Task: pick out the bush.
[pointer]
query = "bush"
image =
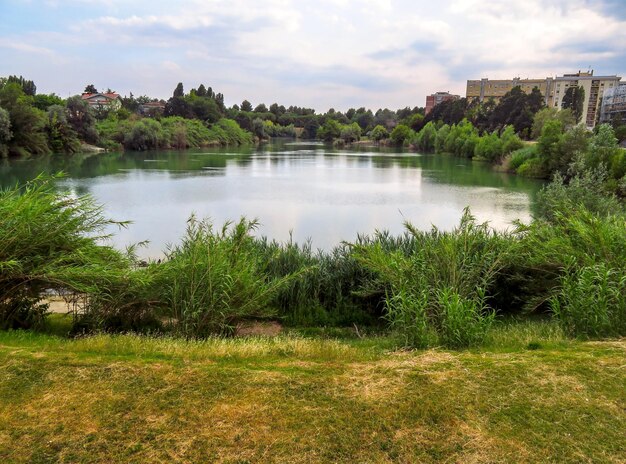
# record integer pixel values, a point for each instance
(586, 191)
(592, 302)
(214, 279)
(442, 278)
(519, 157)
(400, 133)
(49, 240)
(532, 167)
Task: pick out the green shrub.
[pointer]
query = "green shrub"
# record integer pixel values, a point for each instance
(214, 279)
(586, 191)
(520, 156)
(444, 275)
(532, 167)
(592, 301)
(49, 240)
(464, 320)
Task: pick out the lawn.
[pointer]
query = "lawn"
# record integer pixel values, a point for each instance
(529, 395)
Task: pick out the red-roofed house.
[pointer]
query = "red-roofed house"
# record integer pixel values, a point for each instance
(103, 100)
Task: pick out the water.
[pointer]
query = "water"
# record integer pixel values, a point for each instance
(308, 190)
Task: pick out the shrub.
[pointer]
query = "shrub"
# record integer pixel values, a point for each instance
(442, 276)
(519, 157)
(49, 240)
(586, 191)
(214, 278)
(592, 302)
(532, 167)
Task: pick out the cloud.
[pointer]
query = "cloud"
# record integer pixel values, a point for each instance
(326, 53)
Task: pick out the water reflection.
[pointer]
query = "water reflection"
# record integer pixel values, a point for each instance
(326, 194)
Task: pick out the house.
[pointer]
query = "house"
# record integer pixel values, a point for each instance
(100, 101)
(153, 108)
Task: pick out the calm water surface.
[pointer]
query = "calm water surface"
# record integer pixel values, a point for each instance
(314, 191)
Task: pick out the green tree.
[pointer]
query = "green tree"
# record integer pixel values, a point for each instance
(90, 89)
(400, 133)
(43, 101)
(246, 106)
(260, 108)
(201, 92)
(61, 136)
(428, 135)
(574, 99)
(548, 146)
(351, 133)
(81, 119)
(379, 133)
(179, 91)
(330, 130)
(442, 135)
(258, 128)
(489, 147)
(26, 122)
(603, 147)
(5, 132)
(28, 87)
(547, 114)
(203, 108)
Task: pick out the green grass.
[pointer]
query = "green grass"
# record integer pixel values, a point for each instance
(528, 395)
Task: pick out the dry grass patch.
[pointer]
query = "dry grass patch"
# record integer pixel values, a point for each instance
(294, 400)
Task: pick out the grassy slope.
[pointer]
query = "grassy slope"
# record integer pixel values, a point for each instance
(293, 399)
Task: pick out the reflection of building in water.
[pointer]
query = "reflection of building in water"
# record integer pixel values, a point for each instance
(614, 104)
(436, 98)
(552, 89)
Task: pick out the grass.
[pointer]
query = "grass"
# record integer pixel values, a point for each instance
(528, 395)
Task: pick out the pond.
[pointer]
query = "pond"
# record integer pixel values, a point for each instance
(299, 189)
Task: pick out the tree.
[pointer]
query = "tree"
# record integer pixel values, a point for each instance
(179, 91)
(61, 136)
(428, 135)
(260, 108)
(329, 131)
(379, 133)
(178, 106)
(43, 101)
(205, 109)
(26, 122)
(351, 133)
(258, 128)
(90, 89)
(518, 109)
(603, 147)
(28, 87)
(400, 133)
(5, 132)
(246, 106)
(574, 100)
(548, 146)
(548, 114)
(201, 92)
(81, 119)
(311, 127)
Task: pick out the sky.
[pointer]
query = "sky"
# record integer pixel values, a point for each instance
(318, 54)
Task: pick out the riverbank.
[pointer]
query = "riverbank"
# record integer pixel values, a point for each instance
(529, 396)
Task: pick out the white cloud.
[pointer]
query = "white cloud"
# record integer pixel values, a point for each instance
(368, 52)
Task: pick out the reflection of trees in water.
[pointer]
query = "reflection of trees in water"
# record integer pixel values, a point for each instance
(212, 162)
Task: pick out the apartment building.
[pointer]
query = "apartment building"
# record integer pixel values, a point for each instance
(484, 89)
(553, 90)
(436, 98)
(594, 87)
(613, 103)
